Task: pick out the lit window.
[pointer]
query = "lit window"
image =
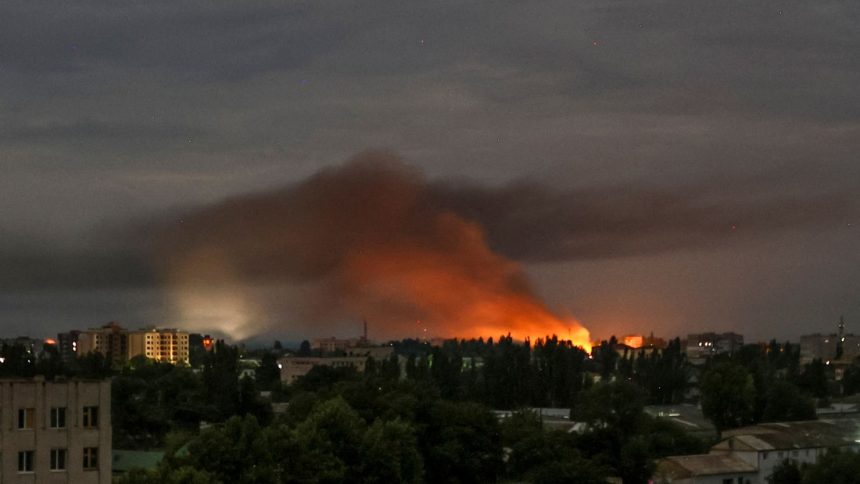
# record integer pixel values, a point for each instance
(25, 461)
(91, 417)
(58, 459)
(26, 417)
(58, 417)
(91, 458)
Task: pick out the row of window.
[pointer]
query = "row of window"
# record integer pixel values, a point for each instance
(27, 417)
(26, 459)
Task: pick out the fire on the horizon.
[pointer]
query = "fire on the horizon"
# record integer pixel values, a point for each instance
(364, 240)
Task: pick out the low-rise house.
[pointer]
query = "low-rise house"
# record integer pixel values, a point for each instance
(295, 367)
(749, 455)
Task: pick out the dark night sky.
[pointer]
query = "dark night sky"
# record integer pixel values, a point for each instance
(113, 115)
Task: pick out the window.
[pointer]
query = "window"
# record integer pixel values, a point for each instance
(91, 458)
(26, 417)
(91, 417)
(58, 417)
(25, 461)
(58, 459)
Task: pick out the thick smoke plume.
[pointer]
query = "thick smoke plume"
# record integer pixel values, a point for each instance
(374, 239)
(366, 240)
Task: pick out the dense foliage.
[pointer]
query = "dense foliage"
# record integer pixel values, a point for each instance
(423, 415)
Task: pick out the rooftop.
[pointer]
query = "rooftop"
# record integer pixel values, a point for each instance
(685, 466)
(794, 435)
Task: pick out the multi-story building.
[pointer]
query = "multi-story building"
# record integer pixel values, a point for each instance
(111, 340)
(55, 432)
(293, 367)
(168, 345)
(67, 345)
(830, 347)
(119, 344)
(703, 345)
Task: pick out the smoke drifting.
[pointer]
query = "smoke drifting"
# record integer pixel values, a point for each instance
(374, 239)
(366, 240)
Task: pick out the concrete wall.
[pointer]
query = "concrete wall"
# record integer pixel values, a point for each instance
(42, 396)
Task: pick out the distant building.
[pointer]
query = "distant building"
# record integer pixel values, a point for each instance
(749, 455)
(67, 345)
(111, 340)
(332, 345)
(702, 345)
(687, 417)
(119, 344)
(633, 344)
(55, 432)
(167, 345)
(293, 367)
(32, 346)
(830, 347)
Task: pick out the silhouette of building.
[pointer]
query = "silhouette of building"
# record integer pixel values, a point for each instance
(703, 345)
(67, 345)
(833, 347)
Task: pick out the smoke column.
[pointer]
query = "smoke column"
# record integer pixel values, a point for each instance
(370, 239)
(374, 239)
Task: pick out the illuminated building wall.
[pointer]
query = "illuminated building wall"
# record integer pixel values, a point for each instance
(120, 345)
(55, 432)
(168, 345)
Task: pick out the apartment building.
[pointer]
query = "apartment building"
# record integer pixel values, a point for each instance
(119, 344)
(168, 345)
(55, 432)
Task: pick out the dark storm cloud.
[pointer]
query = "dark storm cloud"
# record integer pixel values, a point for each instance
(533, 223)
(111, 110)
(300, 232)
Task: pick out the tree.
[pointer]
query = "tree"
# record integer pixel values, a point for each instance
(785, 402)
(305, 348)
(221, 380)
(268, 375)
(728, 395)
(835, 467)
(459, 442)
(239, 451)
(786, 472)
(389, 453)
(329, 442)
(616, 406)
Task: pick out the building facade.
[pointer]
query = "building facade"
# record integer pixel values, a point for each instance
(295, 367)
(829, 347)
(749, 455)
(703, 345)
(119, 344)
(167, 345)
(67, 345)
(111, 340)
(55, 432)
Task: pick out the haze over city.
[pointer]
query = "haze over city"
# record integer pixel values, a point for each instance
(268, 170)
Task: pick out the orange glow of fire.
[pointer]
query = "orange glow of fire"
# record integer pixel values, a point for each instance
(468, 293)
(634, 341)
